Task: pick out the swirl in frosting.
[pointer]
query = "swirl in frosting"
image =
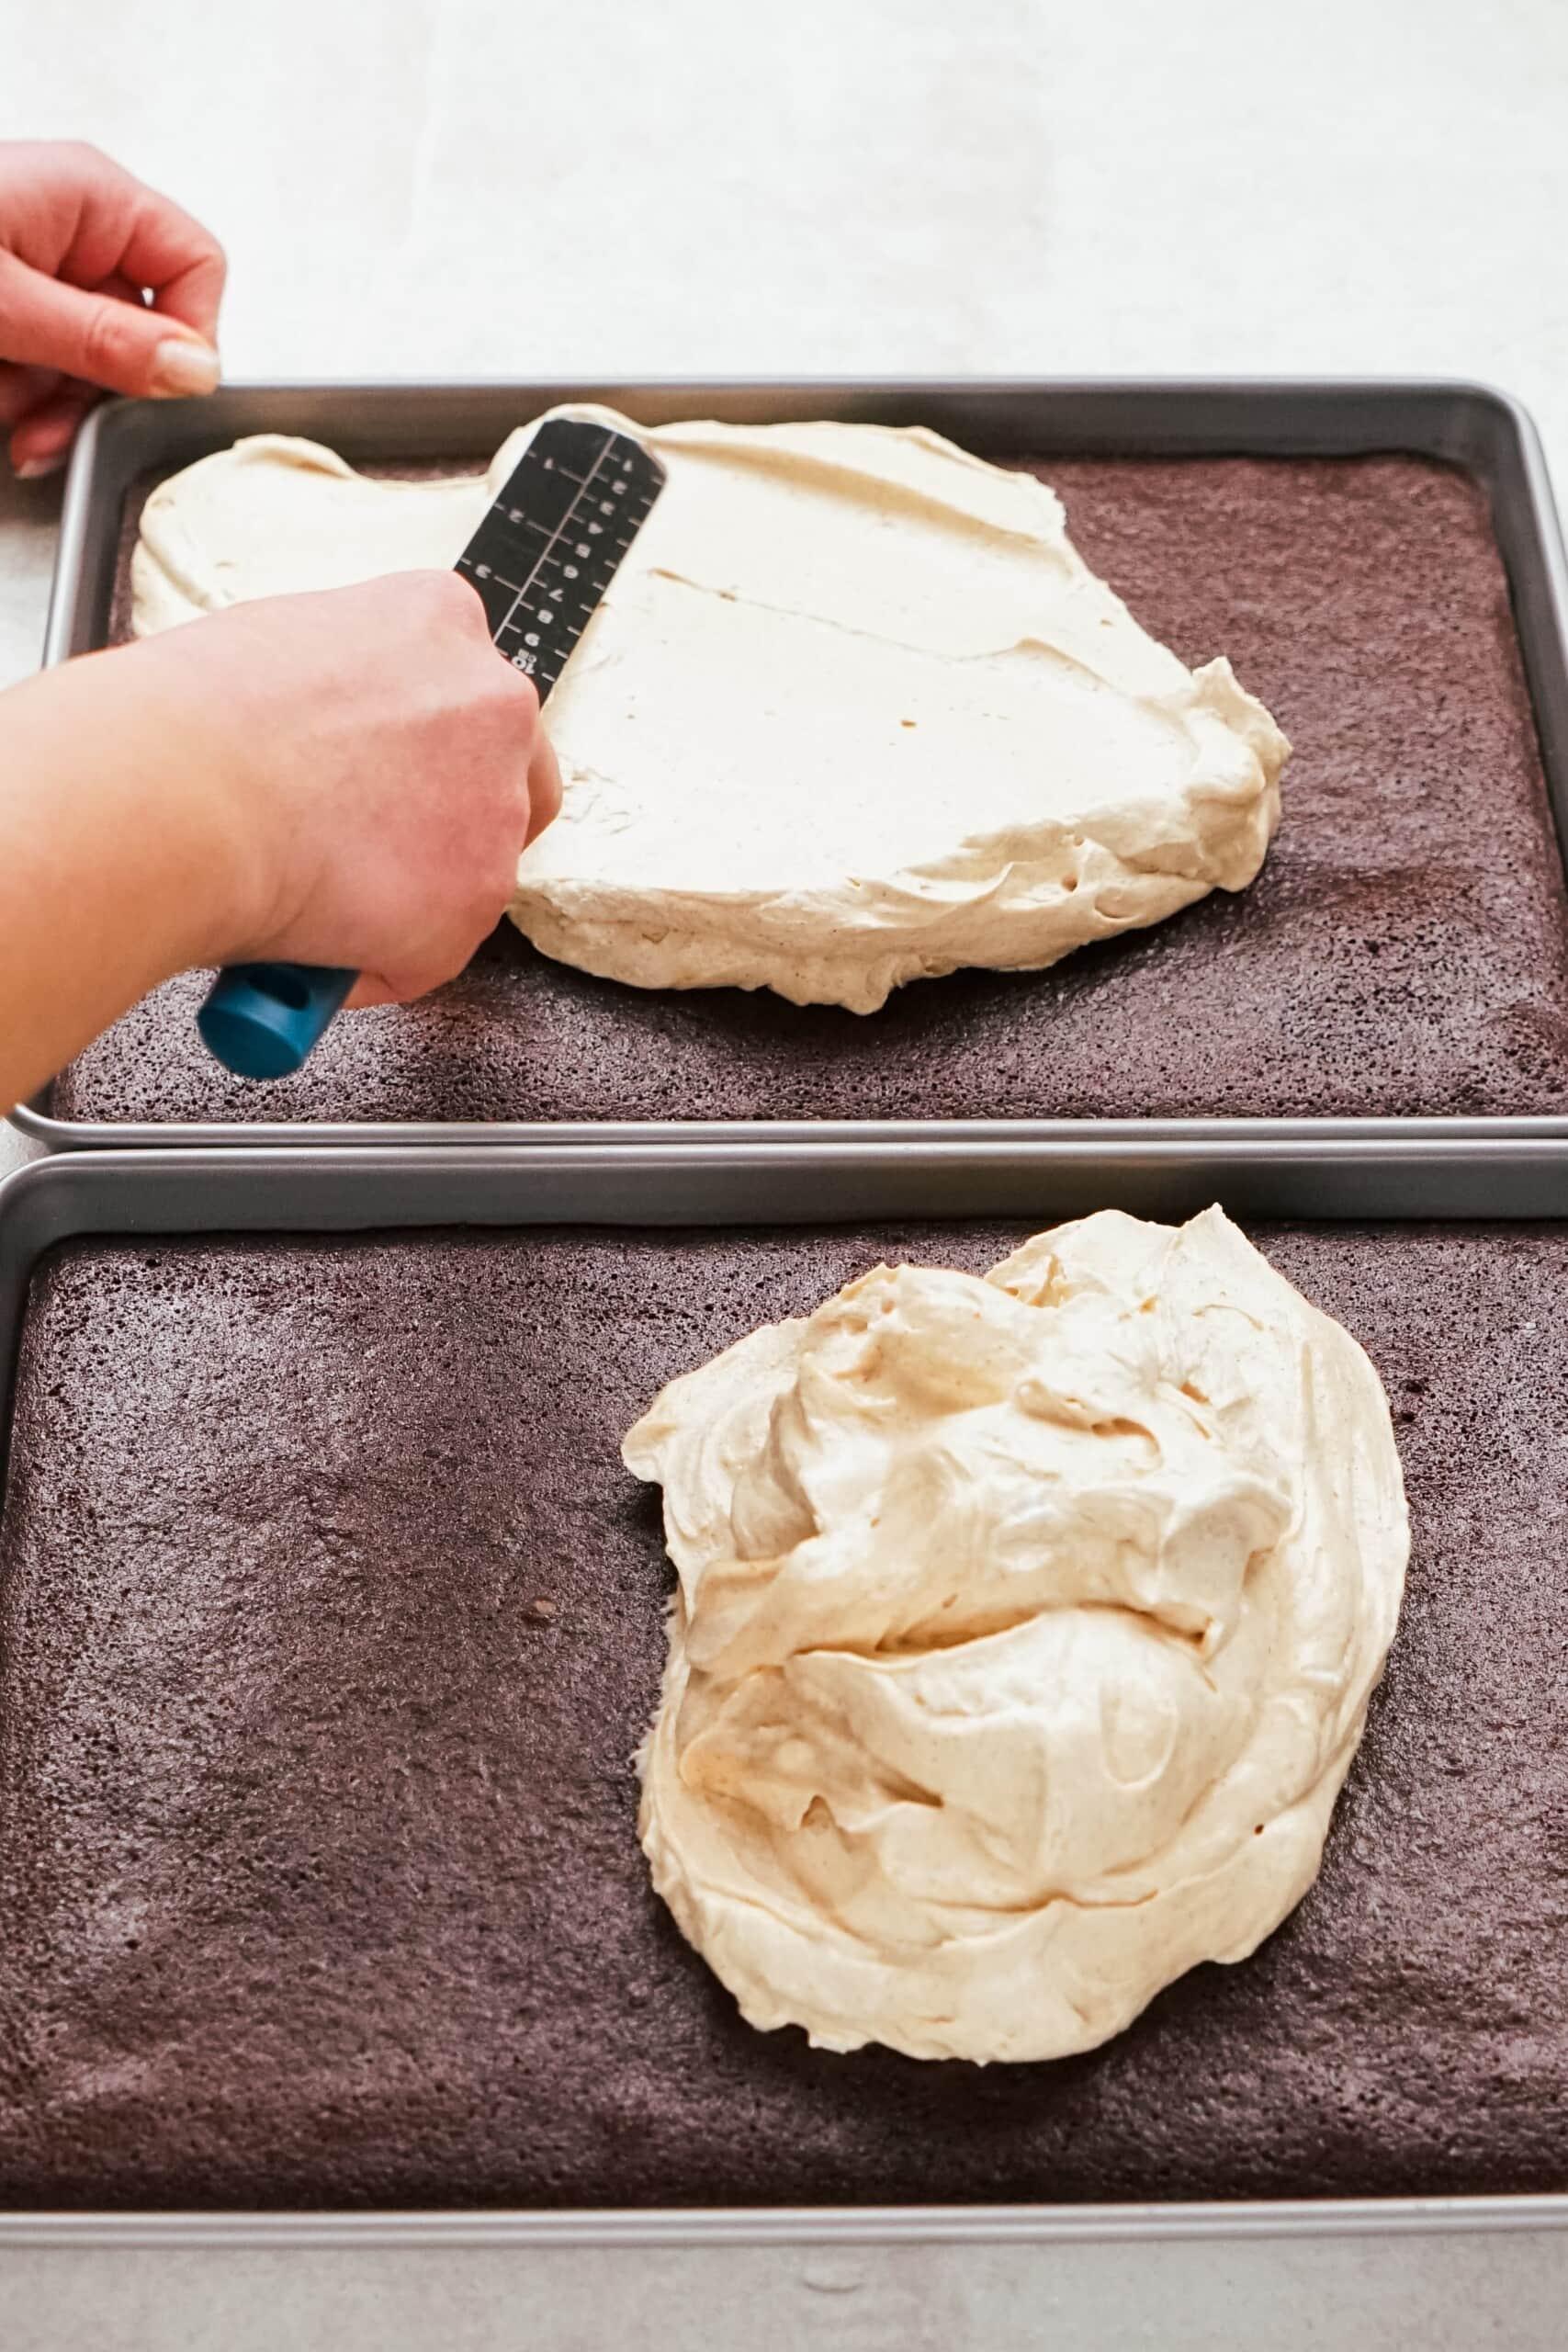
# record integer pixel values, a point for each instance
(1024, 1634)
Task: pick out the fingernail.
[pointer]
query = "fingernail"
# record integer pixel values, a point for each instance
(34, 468)
(181, 371)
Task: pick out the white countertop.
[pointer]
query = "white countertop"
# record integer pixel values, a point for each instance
(871, 187)
(877, 186)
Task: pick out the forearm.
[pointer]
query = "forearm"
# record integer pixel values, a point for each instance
(116, 857)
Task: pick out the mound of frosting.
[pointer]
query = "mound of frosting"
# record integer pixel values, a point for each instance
(854, 712)
(1024, 1634)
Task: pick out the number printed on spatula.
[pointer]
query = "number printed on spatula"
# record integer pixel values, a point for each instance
(555, 537)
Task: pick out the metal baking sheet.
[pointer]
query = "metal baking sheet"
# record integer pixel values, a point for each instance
(1357, 2272)
(1469, 426)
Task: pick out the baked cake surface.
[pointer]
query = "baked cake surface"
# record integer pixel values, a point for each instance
(329, 1621)
(1404, 951)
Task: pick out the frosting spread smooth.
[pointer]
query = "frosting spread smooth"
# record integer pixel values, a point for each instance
(854, 712)
(1024, 1634)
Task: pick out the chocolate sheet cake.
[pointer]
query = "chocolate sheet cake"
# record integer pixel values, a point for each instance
(1405, 950)
(329, 1621)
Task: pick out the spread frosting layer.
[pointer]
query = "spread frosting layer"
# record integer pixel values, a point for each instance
(1024, 1634)
(854, 712)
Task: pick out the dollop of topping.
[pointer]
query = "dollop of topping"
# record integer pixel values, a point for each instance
(1024, 1634)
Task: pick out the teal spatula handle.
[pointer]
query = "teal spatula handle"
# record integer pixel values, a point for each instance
(261, 1020)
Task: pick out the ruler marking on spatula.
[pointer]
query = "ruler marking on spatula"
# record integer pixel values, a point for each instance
(569, 576)
(541, 562)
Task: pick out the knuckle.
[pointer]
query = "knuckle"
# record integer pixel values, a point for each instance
(490, 885)
(445, 599)
(452, 591)
(103, 340)
(512, 707)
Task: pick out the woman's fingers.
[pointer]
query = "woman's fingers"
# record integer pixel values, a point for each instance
(73, 212)
(183, 267)
(123, 347)
(24, 389)
(103, 280)
(544, 806)
(41, 440)
(45, 408)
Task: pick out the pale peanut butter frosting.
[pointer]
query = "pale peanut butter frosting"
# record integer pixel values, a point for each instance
(854, 711)
(1024, 1636)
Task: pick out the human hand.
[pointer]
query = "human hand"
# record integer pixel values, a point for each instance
(368, 769)
(83, 243)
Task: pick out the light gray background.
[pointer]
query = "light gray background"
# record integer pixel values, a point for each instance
(691, 186)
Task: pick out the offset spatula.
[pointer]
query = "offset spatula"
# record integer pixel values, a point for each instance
(541, 560)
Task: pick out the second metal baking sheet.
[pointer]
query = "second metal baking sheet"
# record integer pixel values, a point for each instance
(1453, 1460)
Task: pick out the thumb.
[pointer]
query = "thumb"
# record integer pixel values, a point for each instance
(99, 338)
